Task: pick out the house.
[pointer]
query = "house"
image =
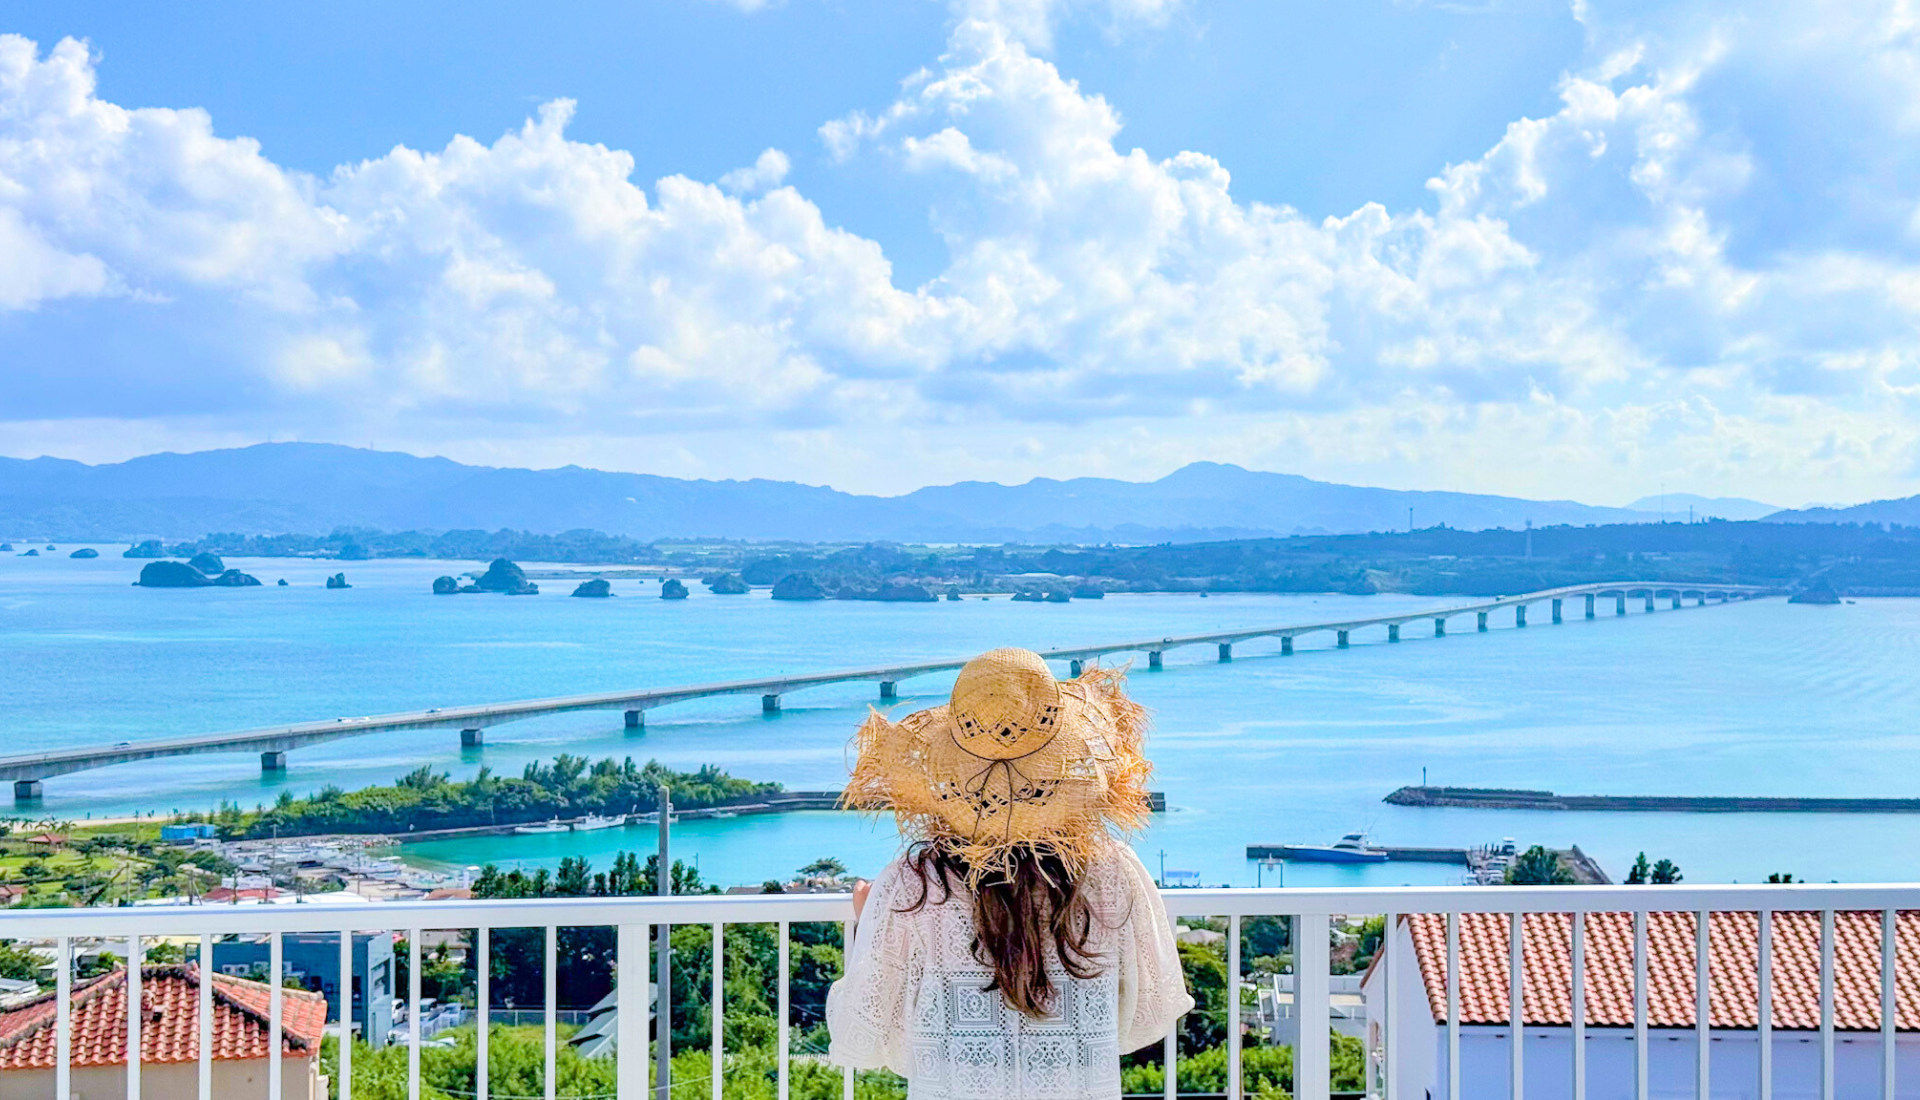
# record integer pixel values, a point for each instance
(1419, 1008)
(186, 832)
(12, 893)
(313, 959)
(169, 1040)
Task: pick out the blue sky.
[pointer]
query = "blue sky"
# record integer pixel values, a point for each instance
(879, 245)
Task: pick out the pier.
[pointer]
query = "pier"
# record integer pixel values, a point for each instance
(28, 770)
(1489, 798)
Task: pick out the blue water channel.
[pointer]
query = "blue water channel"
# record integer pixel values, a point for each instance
(1748, 699)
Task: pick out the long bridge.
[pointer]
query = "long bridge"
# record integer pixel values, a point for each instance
(28, 770)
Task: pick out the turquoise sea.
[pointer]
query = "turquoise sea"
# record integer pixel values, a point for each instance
(1754, 699)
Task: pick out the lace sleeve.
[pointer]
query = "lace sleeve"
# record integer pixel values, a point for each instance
(867, 1009)
(1153, 987)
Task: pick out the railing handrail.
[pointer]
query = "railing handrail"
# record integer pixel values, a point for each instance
(220, 919)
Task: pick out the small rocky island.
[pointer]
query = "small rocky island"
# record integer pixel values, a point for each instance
(85, 552)
(31, 553)
(596, 589)
(148, 549)
(888, 592)
(671, 589)
(1819, 592)
(726, 584)
(233, 578)
(798, 586)
(207, 563)
(338, 580)
(172, 574)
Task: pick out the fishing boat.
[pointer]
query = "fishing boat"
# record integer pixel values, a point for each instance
(541, 829)
(653, 818)
(1352, 848)
(594, 823)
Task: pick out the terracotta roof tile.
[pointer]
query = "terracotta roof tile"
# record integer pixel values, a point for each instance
(1733, 963)
(170, 1031)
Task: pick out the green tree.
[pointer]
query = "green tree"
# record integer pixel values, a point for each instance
(1666, 872)
(1640, 872)
(1538, 866)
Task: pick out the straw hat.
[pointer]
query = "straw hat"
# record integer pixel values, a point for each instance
(1017, 759)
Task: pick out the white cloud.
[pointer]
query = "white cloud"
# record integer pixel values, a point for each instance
(768, 170)
(1646, 282)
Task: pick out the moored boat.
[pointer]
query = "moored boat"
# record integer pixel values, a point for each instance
(1352, 848)
(595, 822)
(542, 828)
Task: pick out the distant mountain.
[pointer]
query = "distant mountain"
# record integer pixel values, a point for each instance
(1904, 511)
(312, 488)
(1676, 504)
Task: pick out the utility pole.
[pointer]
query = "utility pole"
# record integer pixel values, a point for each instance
(1163, 868)
(1409, 519)
(663, 963)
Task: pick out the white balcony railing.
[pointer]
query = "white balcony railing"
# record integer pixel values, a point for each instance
(1311, 912)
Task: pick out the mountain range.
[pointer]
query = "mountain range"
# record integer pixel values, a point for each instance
(313, 488)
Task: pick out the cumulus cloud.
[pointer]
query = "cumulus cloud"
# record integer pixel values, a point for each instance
(1645, 279)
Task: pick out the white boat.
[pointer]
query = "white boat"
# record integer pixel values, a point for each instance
(653, 818)
(553, 826)
(594, 823)
(1352, 848)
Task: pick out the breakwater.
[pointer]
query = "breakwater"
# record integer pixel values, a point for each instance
(1491, 798)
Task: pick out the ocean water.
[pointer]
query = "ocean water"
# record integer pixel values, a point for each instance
(1749, 699)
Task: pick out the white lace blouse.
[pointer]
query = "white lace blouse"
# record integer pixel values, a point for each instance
(914, 999)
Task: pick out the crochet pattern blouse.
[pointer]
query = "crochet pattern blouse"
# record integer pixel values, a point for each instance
(914, 998)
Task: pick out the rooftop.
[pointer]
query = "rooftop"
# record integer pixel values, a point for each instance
(170, 999)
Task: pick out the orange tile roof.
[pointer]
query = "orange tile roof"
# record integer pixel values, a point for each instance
(170, 1028)
(1733, 956)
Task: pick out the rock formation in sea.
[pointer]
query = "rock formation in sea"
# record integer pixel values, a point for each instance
(31, 553)
(1059, 595)
(148, 549)
(1089, 592)
(445, 586)
(798, 586)
(7, 546)
(85, 552)
(506, 578)
(953, 593)
(282, 582)
(207, 563)
(338, 580)
(171, 574)
(1819, 592)
(671, 589)
(889, 592)
(233, 578)
(595, 589)
(726, 584)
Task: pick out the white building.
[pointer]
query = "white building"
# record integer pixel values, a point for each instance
(1419, 1006)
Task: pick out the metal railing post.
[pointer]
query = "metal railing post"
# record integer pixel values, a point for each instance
(1313, 1056)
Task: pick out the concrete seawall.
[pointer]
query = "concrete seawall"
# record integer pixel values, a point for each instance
(1490, 798)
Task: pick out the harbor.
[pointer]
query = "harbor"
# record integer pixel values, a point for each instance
(1485, 865)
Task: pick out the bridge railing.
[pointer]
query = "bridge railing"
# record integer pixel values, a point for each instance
(1440, 991)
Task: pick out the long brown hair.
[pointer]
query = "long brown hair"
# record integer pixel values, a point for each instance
(1017, 912)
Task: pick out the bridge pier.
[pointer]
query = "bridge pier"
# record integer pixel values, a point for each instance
(1483, 622)
(1439, 628)
(275, 761)
(1226, 651)
(1393, 632)
(1340, 639)
(770, 704)
(472, 739)
(1676, 601)
(1074, 669)
(636, 719)
(1589, 605)
(26, 790)
(1556, 613)
(1153, 659)
(1620, 604)
(889, 690)
(1649, 603)
(1519, 614)
(1700, 599)
(1286, 645)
